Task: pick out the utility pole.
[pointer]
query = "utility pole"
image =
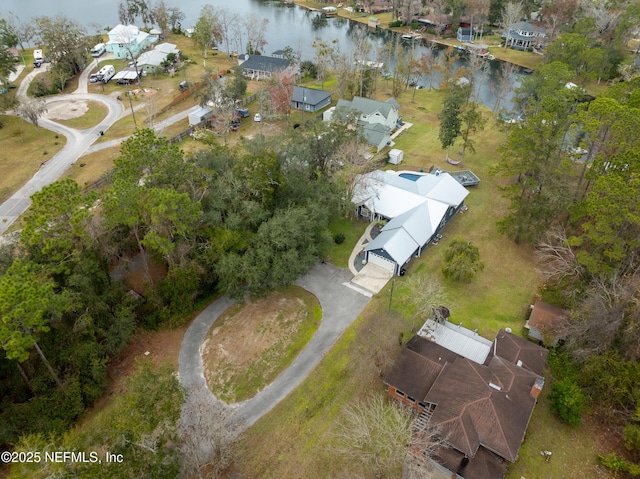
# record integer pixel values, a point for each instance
(132, 112)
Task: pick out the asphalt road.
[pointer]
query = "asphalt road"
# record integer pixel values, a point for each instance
(79, 142)
(340, 307)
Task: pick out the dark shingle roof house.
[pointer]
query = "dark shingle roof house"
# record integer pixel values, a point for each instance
(481, 407)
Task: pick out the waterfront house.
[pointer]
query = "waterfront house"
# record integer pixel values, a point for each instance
(523, 35)
(465, 34)
(128, 41)
(258, 67)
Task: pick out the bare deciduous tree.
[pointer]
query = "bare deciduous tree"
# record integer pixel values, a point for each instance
(32, 110)
(374, 433)
(505, 83)
(207, 432)
(422, 293)
(556, 259)
(384, 438)
(511, 14)
(610, 307)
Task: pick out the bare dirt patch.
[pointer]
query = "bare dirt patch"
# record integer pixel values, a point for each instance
(251, 343)
(66, 110)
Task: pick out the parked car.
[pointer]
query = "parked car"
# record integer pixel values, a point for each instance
(242, 112)
(184, 85)
(257, 117)
(37, 63)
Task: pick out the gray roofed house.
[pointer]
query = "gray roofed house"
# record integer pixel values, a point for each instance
(310, 99)
(151, 60)
(523, 35)
(373, 115)
(258, 67)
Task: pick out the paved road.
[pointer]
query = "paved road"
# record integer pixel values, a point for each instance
(340, 307)
(79, 142)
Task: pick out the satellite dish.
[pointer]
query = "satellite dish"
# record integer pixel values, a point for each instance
(508, 330)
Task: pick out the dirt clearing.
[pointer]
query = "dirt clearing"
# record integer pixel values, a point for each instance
(251, 343)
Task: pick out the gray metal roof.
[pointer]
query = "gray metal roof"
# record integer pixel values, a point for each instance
(396, 242)
(458, 339)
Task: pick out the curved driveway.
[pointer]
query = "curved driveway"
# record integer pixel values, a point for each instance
(340, 307)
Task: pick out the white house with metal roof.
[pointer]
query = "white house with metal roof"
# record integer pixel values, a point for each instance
(127, 41)
(151, 60)
(416, 211)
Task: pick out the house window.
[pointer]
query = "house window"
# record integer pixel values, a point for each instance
(399, 393)
(411, 399)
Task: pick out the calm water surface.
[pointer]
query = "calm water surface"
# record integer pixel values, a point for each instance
(286, 26)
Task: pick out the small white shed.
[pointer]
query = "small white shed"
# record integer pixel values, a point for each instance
(396, 156)
(199, 115)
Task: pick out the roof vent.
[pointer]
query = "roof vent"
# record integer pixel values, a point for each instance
(495, 386)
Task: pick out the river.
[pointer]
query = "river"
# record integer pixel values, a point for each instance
(292, 27)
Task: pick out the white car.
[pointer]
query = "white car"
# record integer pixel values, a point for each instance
(257, 117)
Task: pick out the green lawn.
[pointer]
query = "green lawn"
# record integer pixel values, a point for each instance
(95, 165)
(352, 230)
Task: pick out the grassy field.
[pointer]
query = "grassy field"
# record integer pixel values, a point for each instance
(24, 149)
(95, 165)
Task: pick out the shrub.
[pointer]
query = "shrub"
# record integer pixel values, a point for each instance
(339, 238)
(567, 401)
(397, 23)
(462, 261)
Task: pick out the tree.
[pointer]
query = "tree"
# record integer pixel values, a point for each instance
(556, 15)
(462, 261)
(208, 31)
(8, 35)
(323, 54)
(207, 434)
(27, 302)
(505, 83)
(7, 65)
(534, 155)
(450, 120)
(374, 434)
(256, 30)
(228, 20)
(159, 14)
(55, 227)
(473, 120)
(281, 87)
(235, 87)
(284, 247)
(511, 13)
(567, 401)
(32, 110)
(131, 10)
(379, 437)
(422, 294)
(579, 54)
(67, 43)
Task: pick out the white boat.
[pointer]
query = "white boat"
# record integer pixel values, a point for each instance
(330, 11)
